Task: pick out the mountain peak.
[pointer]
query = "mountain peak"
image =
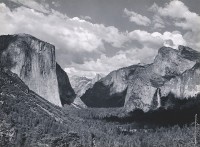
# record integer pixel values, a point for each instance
(23, 35)
(166, 51)
(189, 53)
(183, 51)
(183, 48)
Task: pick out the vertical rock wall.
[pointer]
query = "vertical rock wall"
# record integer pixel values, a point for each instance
(34, 62)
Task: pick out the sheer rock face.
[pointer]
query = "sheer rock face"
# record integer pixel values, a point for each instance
(140, 87)
(184, 86)
(168, 64)
(34, 62)
(185, 82)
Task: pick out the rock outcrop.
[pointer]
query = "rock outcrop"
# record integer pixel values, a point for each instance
(141, 87)
(34, 62)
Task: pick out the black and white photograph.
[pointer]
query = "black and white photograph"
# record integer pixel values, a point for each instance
(99, 73)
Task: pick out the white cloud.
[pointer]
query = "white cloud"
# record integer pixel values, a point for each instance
(72, 34)
(174, 9)
(102, 65)
(137, 18)
(183, 18)
(86, 17)
(81, 73)
(173, 39)
(145, 38)
(156, 39)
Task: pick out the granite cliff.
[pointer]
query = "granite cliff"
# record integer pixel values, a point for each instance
(34, 62)
(142, 86)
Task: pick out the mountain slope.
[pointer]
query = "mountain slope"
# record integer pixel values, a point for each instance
(138, 87)
(27, 119)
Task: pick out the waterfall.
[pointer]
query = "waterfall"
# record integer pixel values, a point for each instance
(158, 93)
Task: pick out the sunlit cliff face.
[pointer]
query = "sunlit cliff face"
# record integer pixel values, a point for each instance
(34, 62)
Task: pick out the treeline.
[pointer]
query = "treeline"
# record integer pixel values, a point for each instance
(172, 111)
(116, 134)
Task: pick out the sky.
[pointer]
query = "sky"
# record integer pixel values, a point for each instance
(98, 36)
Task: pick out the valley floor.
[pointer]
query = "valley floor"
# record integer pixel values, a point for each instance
(105, 133)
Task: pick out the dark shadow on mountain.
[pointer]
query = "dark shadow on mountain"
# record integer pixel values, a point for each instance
(6, 60)
(67, 94)
(99, 96)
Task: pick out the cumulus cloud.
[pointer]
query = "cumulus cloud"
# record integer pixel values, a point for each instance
(72, 34)
(182, 17)
(173, 39)
(156, 39)
(146, 38)
(137, 18)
